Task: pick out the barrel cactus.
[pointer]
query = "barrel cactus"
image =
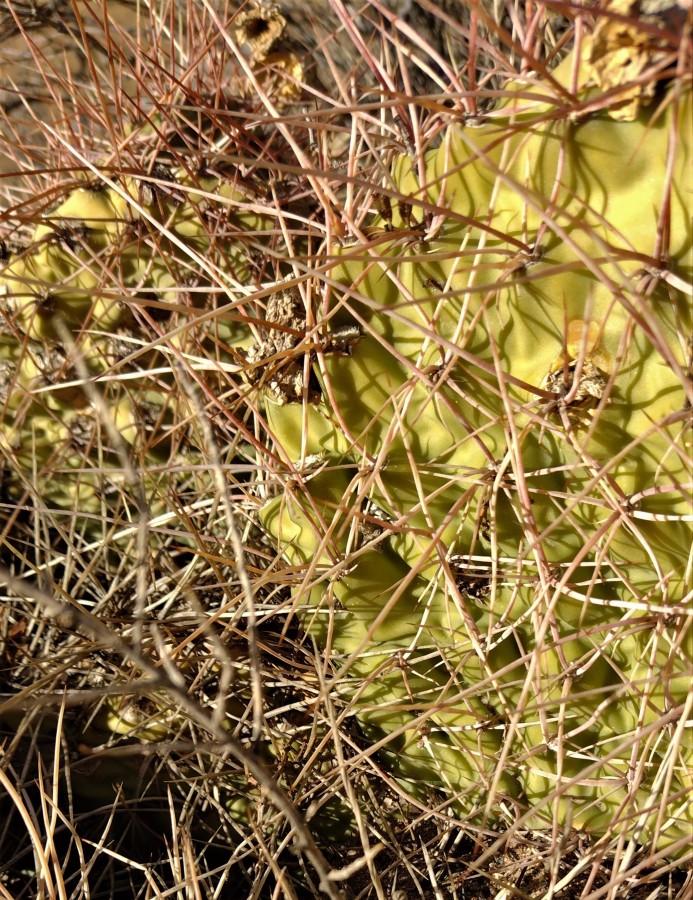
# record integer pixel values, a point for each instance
(116, 262)
(491, 490)
(451, 394)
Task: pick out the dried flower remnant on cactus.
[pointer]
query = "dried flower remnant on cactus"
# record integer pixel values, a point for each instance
(258, 29)
(283, 373)
(625, 46)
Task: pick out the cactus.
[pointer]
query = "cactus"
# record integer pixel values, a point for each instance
(516, 409)
(465, 428)
(77, 304)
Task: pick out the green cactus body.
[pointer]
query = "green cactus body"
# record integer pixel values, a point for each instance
(517, 404)
(69, 302)
(516, 410)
